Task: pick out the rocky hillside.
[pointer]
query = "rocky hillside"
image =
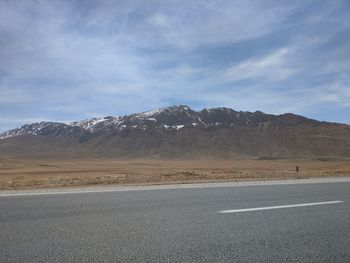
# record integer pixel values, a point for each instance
(181, 132)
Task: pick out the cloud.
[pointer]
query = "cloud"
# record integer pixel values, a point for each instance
(190, 24)
(274, 67)
(160, 20)
(336, 93)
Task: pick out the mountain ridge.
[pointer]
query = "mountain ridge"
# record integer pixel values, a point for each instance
(137, 120)
(179, 131)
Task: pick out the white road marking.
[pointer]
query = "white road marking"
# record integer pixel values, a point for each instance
(278, 207)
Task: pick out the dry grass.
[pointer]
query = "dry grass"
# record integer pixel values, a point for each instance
(33, 173)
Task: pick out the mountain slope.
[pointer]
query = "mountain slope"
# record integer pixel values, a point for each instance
(181, 132)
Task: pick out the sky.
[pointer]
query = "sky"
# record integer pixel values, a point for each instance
(73, 60)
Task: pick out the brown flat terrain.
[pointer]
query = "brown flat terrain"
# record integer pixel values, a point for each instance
(30, 173)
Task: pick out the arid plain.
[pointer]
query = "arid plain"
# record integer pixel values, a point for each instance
(16, 173)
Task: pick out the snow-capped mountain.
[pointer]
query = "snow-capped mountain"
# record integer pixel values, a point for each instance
(173, 118)
(39, 128)
(170, 118)
(179, 131)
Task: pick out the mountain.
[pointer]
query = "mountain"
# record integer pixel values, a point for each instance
(180, 132)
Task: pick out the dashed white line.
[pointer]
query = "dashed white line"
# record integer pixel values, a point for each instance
(278, 207)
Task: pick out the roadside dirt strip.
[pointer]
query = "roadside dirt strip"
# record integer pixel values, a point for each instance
(99, 189)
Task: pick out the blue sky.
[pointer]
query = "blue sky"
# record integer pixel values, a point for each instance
(72, 60)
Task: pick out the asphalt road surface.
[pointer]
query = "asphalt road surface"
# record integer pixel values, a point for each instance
(224, 223)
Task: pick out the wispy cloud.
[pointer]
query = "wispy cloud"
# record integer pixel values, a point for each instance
(336, 92)
(273, 67)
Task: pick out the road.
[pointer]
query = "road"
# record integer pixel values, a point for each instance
(301, 222)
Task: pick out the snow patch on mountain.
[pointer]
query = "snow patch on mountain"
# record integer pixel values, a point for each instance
(178, 127)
